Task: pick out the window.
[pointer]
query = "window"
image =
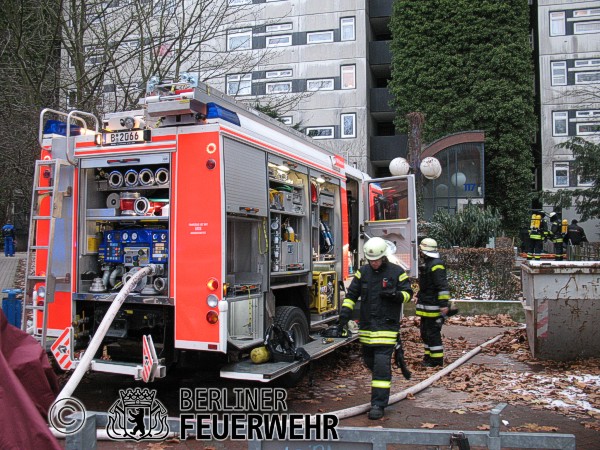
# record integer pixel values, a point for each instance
(279, 41)
(559, 123)
(587, 77)
(324, 84)
(320, 132)
(347, 28)
(559, 73)
(93, 55)
(348, 77)
(279, 73)
(581, 181)
(279, 88)
(278, 27)
(348, 124)
(288, 120)
(240, 84)
(239, 2)
(586, 129)
(586, 12)
(239, 40)
(587, 63)
(561, 174)
(586, 27)
(557, 23)
(319, 37)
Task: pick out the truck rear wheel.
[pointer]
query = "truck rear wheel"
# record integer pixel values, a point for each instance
(292, 319)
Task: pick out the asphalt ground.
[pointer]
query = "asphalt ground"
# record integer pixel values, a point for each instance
(434, 406)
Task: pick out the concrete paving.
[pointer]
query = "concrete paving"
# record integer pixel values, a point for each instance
(8, 270)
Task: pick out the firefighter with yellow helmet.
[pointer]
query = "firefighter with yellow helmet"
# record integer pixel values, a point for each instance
(382, 287)
(557, 235)
(538, 231)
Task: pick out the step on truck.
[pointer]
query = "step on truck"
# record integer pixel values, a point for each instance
(245, 222)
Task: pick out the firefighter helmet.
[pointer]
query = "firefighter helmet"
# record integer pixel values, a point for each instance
(375, 248)
(552, 216)
(429, 247)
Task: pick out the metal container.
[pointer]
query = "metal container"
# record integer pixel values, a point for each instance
(562, 308)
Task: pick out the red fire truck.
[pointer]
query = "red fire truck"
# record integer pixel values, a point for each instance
(245, 222)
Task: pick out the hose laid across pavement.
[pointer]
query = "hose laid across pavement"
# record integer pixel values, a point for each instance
(395, 398)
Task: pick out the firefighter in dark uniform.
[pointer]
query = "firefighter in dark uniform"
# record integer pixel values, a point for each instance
(538, 230)
(556, 235)
(382, 287)
(432, 302)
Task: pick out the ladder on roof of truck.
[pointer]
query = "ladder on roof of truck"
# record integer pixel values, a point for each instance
(44, 170)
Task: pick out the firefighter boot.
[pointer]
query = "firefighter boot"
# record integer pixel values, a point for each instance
(376, 412)
(434, 362)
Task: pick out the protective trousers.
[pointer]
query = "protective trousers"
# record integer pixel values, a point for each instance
(431, 334)
(378, 358)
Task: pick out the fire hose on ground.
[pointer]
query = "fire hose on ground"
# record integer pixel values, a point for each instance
(88, 356)
(341, 414)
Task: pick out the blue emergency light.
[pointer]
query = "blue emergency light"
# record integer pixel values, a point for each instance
(214, 111)
(58, 127)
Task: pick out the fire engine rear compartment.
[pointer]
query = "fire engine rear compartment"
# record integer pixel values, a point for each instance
(282, 248)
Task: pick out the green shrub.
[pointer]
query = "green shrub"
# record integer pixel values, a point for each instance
(472, 227)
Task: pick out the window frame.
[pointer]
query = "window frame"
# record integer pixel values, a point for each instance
(278, 36)
(560, 116)
(270, 74)
(239, 2)
(241, 77)
(316, 33)
(343, 134)
(309, 129)
(278, 83)
(587, 124)
(330, 82)
(555, 66)
(577, 27)
(350, 25)
(278, 27)
(239, 33)
(558, 22)
(587, 72)
(342, 85)
(556, 166)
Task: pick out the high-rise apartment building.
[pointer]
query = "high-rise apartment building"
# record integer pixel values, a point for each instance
(569, 90)
(331, 56)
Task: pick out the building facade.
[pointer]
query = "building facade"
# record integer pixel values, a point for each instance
(569, 91)
(331, 61)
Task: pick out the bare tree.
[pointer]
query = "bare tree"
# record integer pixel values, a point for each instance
(97, 56)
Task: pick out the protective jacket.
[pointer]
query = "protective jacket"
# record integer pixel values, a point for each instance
(434, 292)
(8, 230)
(382, 293)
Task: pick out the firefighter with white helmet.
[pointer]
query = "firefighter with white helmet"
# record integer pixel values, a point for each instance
(432, 303)
(382, 287)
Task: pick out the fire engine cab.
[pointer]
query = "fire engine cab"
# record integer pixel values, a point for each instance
(244, 221)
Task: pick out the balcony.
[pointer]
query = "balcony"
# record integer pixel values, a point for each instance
(386, 148)
(379, 53)
(380, 8)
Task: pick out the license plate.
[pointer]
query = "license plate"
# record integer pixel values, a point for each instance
(123, 137)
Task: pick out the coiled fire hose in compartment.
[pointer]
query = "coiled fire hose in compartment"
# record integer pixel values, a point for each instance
(86, 360)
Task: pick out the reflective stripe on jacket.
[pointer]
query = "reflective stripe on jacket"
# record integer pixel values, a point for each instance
(434, 292)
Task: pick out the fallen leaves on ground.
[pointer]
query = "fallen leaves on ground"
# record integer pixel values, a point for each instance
(569, 388)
